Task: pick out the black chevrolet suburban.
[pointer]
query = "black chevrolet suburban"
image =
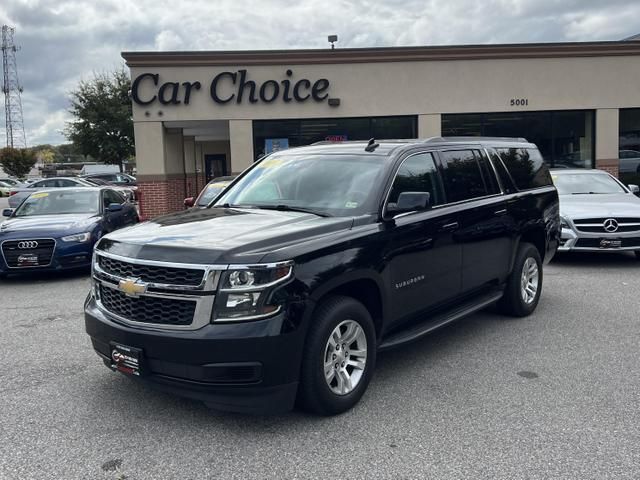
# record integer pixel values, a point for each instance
(317, 258)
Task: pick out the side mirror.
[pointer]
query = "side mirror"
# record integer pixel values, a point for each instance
(114, 207)
(189, 201)
(7, 212)
(410, 202)
(634, 189)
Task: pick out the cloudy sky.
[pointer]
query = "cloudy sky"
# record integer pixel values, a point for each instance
(64, 41)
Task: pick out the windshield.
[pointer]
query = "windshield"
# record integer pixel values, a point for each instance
(337, 185)
(56, 203)
(585, 183)
(210, 192)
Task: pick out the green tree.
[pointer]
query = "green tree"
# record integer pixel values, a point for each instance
(17, 162)
(103, 125)
(45, 155)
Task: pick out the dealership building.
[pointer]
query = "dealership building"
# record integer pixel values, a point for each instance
(200, 115)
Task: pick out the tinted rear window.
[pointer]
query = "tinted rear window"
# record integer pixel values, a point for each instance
(505, 179)
(526, 166)
(462, 175)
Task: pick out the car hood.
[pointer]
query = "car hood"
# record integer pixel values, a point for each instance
(52, 225)
(220, 235)
(600, 205)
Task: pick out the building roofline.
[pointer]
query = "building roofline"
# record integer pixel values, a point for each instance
(382, 54)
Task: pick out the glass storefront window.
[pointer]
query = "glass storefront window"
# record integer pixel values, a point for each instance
(565, 138)
(629, 153)
(307, 131)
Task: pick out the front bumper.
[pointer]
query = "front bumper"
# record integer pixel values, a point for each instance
(572, 240)
(249, 367)
(66, 256)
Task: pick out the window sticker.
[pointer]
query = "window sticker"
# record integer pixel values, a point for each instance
(272, 162)
(217, 185)
(351, 205)
(39, 195)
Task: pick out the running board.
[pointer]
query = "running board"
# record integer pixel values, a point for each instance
(441, 319)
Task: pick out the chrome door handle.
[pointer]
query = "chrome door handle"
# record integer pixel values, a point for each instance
(449, 226)
(500, 212)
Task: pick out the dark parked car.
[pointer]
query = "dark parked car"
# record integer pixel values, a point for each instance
(114, 178)
(57, 229)
(210, 191)
(315, 259)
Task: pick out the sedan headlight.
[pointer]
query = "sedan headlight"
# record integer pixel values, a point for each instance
(78, 237)
(563, 222)
(245, 292)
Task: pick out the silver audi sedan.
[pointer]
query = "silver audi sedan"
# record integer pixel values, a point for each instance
(598, 213)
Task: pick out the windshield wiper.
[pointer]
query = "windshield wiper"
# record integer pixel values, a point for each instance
(231, 205)
(587, 193)
(289, 208)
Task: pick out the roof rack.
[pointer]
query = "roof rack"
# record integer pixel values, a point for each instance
(475, 139)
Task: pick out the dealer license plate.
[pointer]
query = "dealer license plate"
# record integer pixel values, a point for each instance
(610, 243)
(28, 260)
(126, 359)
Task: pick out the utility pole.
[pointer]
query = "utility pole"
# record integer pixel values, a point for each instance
(11, 88)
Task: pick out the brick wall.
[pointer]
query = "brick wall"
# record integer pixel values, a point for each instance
(195, 185)
(160, 195)
(613, 170)
(609, 165)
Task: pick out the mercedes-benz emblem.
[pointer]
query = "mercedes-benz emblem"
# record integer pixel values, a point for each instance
(27, 244)
(610, 225)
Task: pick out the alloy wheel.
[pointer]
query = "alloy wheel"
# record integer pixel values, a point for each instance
(529, 280)
(345, 357)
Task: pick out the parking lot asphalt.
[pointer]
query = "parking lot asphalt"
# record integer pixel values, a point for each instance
(554, 395)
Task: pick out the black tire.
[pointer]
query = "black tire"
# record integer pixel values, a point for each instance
(513, 303)
(315, 393)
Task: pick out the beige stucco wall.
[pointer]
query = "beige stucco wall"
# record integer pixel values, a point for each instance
(149, 137)
(241, 140)
(429, 125)
(607, 137)
(403, 88)
(427, 89)
(190, 160)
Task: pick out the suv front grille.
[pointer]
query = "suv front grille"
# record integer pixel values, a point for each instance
(151, 273)
(44, 251)
(152, 310)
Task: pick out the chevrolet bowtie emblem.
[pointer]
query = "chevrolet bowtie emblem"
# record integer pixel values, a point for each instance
(132, 287)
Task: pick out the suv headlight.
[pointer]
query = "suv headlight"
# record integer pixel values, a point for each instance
(245, 292)
(78, 237)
